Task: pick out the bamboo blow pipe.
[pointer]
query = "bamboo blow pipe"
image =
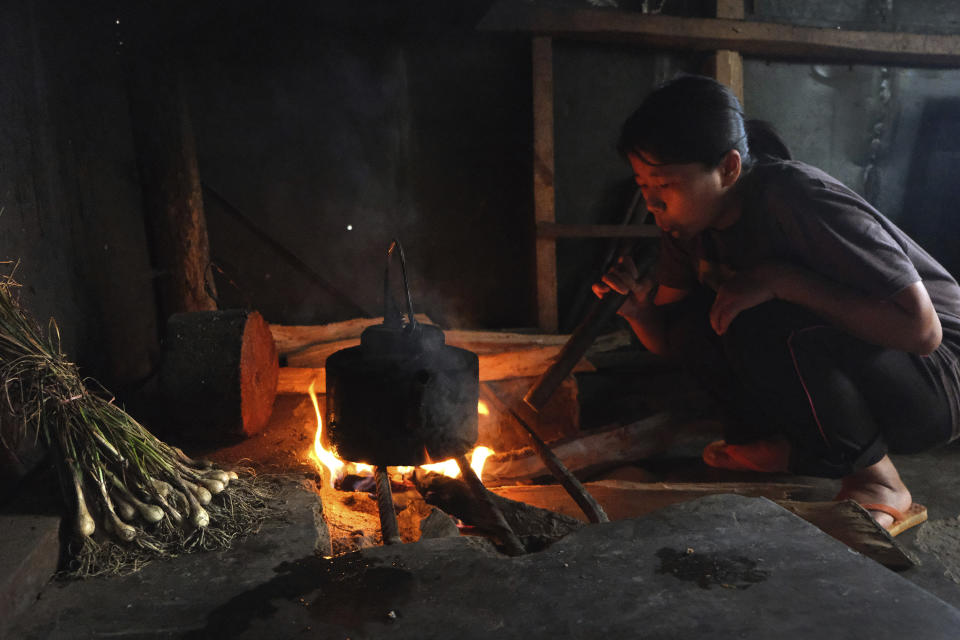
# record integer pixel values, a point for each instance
(580, 340)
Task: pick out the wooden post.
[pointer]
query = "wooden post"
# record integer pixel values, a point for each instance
(543, 191)
(172, 196)
(728, 64)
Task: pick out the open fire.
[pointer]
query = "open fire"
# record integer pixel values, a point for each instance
(334, 469)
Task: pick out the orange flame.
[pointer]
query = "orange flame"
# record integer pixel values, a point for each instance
(319, 455)
(336, 468)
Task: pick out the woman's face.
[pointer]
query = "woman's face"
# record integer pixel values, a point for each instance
(685, 199)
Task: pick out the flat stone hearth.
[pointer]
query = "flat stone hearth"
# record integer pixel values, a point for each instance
(718, 567)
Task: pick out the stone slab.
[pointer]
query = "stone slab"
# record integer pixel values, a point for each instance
(29, 552)
(719, 567)
(169, 598)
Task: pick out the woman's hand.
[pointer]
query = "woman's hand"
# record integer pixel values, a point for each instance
(624, 279)
(746, 290)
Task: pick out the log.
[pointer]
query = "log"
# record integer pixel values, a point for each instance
(503, 355)
(600, 450)
(292, 338)
(219, 374)
(516, 363)
(297, 380)
(496, 366)
(500, 361)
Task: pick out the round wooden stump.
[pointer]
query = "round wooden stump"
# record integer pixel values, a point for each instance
(219, 374)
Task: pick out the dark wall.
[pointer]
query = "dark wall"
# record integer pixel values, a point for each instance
(332, 130)
(69, 195)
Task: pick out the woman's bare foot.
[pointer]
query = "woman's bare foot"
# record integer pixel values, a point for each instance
(879, 483)
(768, 456)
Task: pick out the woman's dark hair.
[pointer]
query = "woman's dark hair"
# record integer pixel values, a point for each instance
(697, 119)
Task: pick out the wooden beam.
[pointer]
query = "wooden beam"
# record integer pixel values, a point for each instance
(557, 230)
(764, 39)
(543, 192)
(728, 70)
(728, 64)
(732, 9)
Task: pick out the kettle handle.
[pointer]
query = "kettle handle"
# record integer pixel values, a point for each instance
(391, 315)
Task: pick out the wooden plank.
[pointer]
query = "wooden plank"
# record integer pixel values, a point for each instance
(543, 191)
(557, 230)
(852, 525)
(764, 39)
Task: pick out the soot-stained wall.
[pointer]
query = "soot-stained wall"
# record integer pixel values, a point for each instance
(70, 210)
(334, 130)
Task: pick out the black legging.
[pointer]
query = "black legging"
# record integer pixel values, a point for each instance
(840, 402)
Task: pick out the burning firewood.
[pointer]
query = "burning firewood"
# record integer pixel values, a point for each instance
(535, 527)
(133, 496)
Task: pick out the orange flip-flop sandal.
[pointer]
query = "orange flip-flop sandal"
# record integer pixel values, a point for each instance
(902, 520)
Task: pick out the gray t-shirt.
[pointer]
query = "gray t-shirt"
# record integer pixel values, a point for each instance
(795, 213)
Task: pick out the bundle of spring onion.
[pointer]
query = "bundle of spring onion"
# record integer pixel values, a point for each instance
(132, 496)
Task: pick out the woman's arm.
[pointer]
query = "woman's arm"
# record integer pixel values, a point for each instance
(906, 320)
(642, 306)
